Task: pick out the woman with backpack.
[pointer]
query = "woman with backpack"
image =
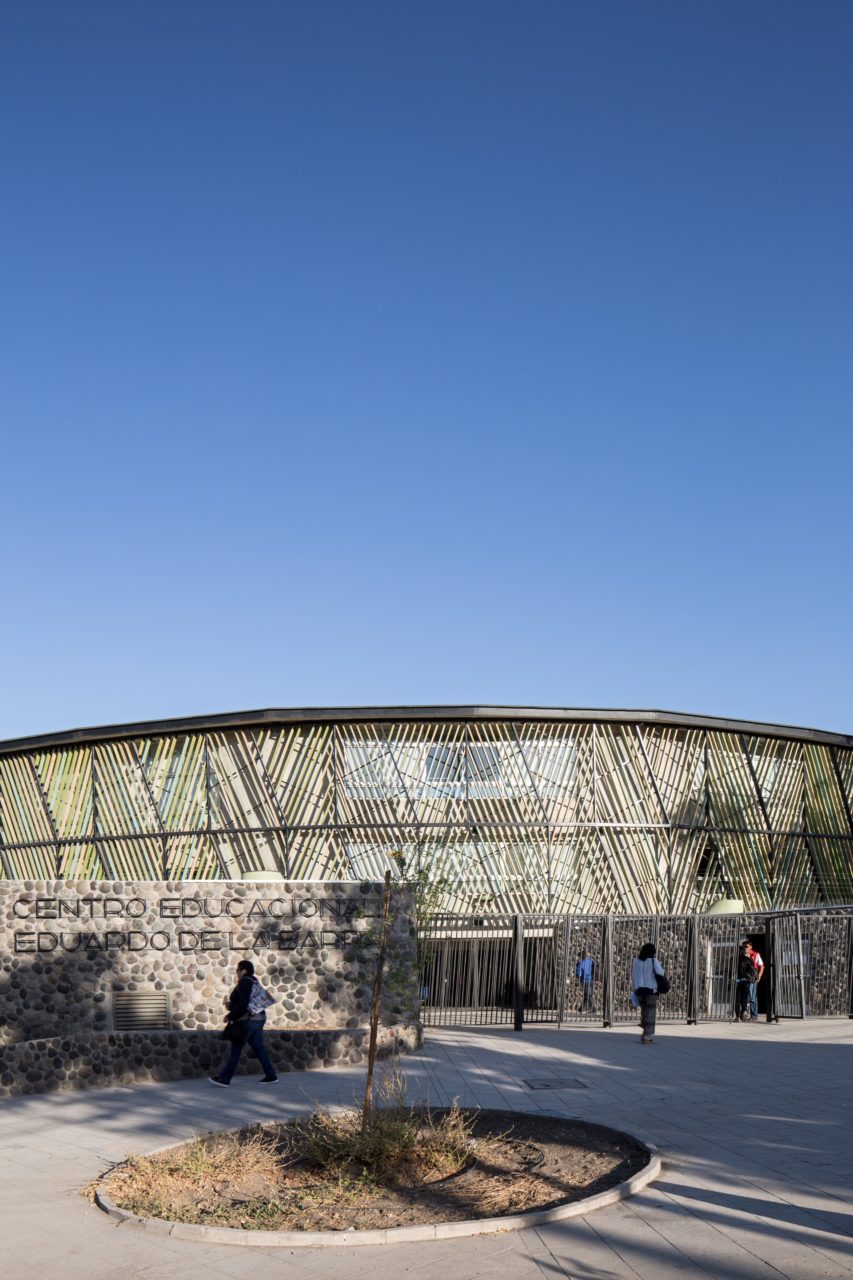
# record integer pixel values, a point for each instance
(645, 972)
(244, 1025)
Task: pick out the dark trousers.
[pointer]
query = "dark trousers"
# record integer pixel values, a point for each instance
(648, 1010)
(254, 1038)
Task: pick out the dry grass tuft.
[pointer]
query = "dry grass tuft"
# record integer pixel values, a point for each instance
(400, 1143)
(324, 1173)
(255, 1177)
(510, 1195)
(160, 1185)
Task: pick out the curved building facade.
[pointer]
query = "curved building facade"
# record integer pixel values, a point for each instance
(506, 809)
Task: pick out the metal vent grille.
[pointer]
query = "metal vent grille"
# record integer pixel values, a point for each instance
(141, 1011)
(574, 1083)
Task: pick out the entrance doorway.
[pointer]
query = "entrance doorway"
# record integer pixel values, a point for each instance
(758, 942)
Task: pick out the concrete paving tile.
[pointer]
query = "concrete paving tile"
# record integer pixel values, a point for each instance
(720, 1245)
(777, 1238)
(20, 1269)
(781, 1211)
(573, 1250)
(640, 1246)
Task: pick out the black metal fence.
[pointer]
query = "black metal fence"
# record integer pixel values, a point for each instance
(494, 970)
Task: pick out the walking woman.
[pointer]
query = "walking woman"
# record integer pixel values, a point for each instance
(644, 984)
(246, 1024)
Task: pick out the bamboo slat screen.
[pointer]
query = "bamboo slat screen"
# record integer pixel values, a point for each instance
(505, 815)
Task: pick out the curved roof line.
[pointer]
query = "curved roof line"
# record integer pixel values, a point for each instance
(343, 715)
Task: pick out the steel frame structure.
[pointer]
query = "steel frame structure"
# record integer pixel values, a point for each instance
(507, 810)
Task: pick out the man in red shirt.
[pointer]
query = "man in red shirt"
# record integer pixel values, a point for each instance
(758, 963)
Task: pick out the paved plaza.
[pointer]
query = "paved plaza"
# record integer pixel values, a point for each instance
(754, 1124)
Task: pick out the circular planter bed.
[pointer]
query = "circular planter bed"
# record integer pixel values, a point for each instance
(251, 1186)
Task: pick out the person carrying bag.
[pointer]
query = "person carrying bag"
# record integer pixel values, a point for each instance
(648, 981)
(244, 1024)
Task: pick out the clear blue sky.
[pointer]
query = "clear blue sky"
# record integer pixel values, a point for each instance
(448, 352)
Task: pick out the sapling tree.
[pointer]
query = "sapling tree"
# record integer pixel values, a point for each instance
(377, 1002)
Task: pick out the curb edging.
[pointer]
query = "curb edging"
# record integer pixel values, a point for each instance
(390, 1235)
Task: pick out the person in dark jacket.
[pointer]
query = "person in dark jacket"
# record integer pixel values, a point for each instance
(248, 1029)
(746, 972)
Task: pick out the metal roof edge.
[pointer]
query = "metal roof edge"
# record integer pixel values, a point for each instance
(343, 715)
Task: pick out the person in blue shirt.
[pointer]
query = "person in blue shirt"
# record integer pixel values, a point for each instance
(585, 972)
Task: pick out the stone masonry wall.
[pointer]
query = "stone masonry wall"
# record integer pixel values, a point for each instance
(67, 948)
(98, 1059)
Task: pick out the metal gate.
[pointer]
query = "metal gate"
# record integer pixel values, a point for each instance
(825, 950)
(787, 958)
(543, 951)
(500, 970)
(466, 972)
(472, 968)
(716, 947)
(583, 989)
(812, 971)
(671, 937)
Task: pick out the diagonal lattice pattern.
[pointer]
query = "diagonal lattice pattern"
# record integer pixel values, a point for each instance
(509, 813)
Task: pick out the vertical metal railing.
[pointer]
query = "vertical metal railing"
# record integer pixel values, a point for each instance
(673, 949)
(787, 960)
(692, 970)
(466, 972)
(582, 987)
(717, 947)
(608, 971)
(824, 953)
(518, 974)
(513, 970)
(629, 934)
(542, 954)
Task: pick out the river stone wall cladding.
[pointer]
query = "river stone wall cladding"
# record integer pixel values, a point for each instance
(101, 1058)
(78, 957)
